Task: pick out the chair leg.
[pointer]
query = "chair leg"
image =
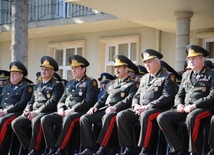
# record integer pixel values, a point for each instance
(158, 143)
(20, 149)
(11, 143)
(205, 138)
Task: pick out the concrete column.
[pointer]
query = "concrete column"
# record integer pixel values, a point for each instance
(182, 37)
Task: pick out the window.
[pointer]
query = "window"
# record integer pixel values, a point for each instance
(127, 45)
(208, 44)
(61, 53)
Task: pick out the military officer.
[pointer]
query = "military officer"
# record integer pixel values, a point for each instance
(167, 67)
(133, 70)
(4, 79)
(14, 97)
(79, 95)
(209, 64)
(142, 72)
(117, 97)
(155, 95)
(104, 79)
(193, 103)
(210, 137)
(46, 95)
(55, 76)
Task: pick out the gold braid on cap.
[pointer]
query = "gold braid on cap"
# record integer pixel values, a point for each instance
(76, 63)
(46, 63)
(2, 75)
(192, 52)
(119, 63)
(15, 68)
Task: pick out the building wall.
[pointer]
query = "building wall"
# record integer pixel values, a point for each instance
(38, 48)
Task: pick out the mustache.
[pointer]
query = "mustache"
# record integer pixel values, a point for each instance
(117, 72)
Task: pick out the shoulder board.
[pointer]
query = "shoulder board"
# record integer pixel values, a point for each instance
(90, 78)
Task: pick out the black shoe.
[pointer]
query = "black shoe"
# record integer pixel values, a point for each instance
(59, 152)
(52, 151)
(101, 151)
(86, 152)
(2, 152)
(33, 152)
(128, 151)
(171, 153)
(182, 152)
(45, 152)
(144, 152)
(111, 151)
(211, 152)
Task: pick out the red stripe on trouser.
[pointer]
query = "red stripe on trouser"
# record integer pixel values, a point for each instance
(196, 126)
(4, 128)
(109, 131)
(149, 129)
(68, 135)
(39, 138)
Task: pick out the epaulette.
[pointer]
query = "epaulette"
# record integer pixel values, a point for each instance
(90, 78)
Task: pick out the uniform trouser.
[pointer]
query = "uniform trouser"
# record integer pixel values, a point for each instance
(127, 117)
(21, 126)
(108, 123)
(68, 122)
(211, 133)
(168, 120)
(5, 123)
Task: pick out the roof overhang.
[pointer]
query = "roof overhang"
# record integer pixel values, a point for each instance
(158, 14)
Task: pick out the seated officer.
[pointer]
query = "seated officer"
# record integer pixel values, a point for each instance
(46, 95)
(168, 68)
(14, 98)
(104, 79)
(80, 95)
(117, 97)
(155, 95)
(4, 79)
(193, 103)
(209, 64)
(133, 70)
(142, 72)
(55, 76)
(210, 137)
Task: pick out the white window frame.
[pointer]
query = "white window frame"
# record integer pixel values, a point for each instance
(205, 41)
(52, 47)
(115, 41)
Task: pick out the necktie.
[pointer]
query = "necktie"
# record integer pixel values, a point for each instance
(151, 77)
(193, 78)
(76, 83)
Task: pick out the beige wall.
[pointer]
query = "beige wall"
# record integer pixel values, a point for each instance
(38, 48)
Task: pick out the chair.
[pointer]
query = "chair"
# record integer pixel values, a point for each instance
(159, 142)
(203, 133)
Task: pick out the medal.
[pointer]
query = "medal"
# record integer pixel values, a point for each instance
(48, 96)
(80, 93)
(203, 89)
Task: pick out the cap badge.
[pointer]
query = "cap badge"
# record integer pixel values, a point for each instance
(46, 62)
(14, 68)
(74, 62)
(2, 75)
(191, 52)
(118, 61)
(146, 55)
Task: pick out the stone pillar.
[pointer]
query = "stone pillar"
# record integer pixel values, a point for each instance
(182, 37)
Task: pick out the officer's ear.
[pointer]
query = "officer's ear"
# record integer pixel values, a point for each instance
(22, 75)
(126, 69)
